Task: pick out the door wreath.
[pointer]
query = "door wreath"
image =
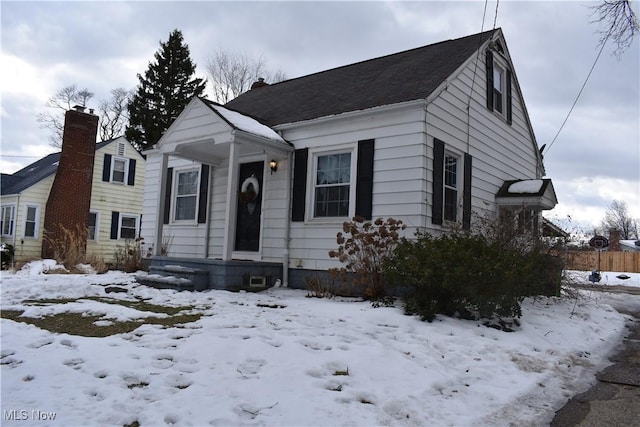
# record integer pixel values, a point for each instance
(249, 189)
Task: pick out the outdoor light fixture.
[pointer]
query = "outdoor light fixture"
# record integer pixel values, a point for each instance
(273, 165)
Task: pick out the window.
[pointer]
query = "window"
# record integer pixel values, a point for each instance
(92, 231)
(332, 185)
(186, 195)
(450, 188)
(31, 222)
(119, 170)
(128, 226)
(6, 221)
(498, 88)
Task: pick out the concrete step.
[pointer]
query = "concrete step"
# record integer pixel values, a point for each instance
(165, 282)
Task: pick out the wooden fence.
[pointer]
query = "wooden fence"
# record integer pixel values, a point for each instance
(628, 262)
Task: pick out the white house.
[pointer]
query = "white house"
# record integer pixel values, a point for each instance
(256, 190)
(115, 188)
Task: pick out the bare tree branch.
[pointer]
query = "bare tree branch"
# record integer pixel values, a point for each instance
(114, 115)
(617, 217)
(232, 74)
(618, 22)
(58, 105)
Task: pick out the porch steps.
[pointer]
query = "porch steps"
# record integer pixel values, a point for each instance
(175, 277)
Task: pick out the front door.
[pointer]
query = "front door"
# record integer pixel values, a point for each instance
(249, 207)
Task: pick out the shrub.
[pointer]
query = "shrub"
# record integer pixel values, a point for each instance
(68, 245)
(470, 276)
(363, 248)
(128, 258)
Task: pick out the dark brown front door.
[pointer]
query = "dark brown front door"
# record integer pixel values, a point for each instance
(249, 207)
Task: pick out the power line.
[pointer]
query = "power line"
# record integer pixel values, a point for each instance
(580, 92)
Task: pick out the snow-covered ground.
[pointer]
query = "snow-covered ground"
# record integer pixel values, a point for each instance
(280, 358)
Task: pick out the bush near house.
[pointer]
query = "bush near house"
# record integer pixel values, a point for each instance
(363, 248)
(471, 275)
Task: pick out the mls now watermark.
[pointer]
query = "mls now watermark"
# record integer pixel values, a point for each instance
(26, 415)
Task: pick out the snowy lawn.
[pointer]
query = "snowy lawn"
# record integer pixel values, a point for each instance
(279, 358)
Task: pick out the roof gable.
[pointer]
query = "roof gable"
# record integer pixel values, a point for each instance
(37, 171)
(400, 77)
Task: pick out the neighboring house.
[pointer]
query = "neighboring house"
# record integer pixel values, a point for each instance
(435, 136)
(630, 245)
(116, 192)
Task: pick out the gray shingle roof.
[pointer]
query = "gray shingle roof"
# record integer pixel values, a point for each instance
(404, 76)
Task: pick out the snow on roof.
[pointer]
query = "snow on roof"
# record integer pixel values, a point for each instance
(526, 186)
(248, 124)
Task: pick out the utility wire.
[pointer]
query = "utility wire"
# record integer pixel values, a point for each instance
(580, 92)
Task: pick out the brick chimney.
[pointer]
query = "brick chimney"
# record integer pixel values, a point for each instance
(614, 240)
(259, 83)
(70, 196)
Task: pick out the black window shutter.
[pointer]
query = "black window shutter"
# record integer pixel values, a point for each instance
(466, 193)
(364, 179)
(509, 103)
(299, 184)
(489, 65)
(106, 168)
(115, 221)
(131, 179)
(438, 184)
(167, 196)
(204, 192)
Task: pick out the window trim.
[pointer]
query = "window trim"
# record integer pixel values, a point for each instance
(457, 188)
(96, 226)
(313, 157)
(36, 220)
(500, 100)
(174, 197)
(12, 220)
(121, 216)
(125, 179)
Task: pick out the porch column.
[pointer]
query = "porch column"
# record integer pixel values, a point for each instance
(157, 247)
(231, 203)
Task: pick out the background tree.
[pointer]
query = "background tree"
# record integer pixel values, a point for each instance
(617, 217)
(114, 116)
(618, 22)
(163, 92)
(63, 100)
(233, 73)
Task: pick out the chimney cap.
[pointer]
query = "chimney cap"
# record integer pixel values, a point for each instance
(259, 83)
(79, 108)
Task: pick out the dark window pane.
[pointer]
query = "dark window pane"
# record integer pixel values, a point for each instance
(450, 204)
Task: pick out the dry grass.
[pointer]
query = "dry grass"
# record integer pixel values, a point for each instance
(84, 325)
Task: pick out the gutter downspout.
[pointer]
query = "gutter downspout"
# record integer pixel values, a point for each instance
(287, 227)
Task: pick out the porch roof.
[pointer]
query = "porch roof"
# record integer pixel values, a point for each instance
(534, 193)
(242, 122)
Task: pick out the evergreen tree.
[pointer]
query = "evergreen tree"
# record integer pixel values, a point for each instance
(163, 92)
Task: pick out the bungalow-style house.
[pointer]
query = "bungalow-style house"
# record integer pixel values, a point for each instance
(98, 187)
(244, 194)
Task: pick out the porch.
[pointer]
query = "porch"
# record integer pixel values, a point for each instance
(202, 274)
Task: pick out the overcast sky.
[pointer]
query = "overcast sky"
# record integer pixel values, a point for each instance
(104, 45)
